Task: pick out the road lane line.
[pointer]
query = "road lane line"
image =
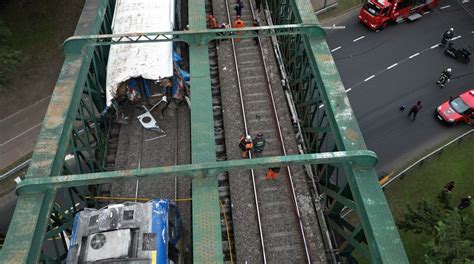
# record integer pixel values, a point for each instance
(443, 7)
(335, 49)
(348, 90)
(21, 134)
(369, 78)
(24, 109)
(414, 55)
(357, 39)
(435, 46)
(391, 66)
(456, 37)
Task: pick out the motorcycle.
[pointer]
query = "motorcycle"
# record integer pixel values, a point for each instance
(459, 54)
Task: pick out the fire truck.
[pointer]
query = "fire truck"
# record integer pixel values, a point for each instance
(377, 14)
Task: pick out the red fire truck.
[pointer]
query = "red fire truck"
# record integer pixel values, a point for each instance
(377, 14)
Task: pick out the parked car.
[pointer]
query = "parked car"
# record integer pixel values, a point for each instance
(457, 109)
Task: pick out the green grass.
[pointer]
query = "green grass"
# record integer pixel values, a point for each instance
(426, 181)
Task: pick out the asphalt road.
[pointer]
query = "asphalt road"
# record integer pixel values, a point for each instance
(399, 66)
(18, 132)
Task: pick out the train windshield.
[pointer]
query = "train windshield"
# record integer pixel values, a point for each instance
(372, 8)
(459, 105)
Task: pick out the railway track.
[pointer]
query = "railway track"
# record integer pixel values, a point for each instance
(281, 237)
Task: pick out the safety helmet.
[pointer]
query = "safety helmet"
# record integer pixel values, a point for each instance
(448, 70)
(248, 137)
(238, 17)
(452, 29)
(260, 134)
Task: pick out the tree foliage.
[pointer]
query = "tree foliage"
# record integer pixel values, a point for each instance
(452, 231)
(422, 218)
(9, 57)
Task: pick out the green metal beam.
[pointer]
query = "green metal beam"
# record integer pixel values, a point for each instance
(384, 242)
(207, 238)
(194, 36)
(360, 158)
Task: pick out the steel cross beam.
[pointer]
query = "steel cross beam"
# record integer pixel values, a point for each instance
(358, 158)
(192, 37)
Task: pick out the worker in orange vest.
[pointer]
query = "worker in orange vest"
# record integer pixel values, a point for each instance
(238, 23)
(211, 22)
(272, 173)
(245, 145)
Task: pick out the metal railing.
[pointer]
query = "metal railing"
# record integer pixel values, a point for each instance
(18, 168)
(421, 161)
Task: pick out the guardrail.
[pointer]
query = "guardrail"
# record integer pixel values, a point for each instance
(420, 161)
(439, 150)
(18, 168)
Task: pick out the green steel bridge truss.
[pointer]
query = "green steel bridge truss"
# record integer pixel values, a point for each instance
(334, 146)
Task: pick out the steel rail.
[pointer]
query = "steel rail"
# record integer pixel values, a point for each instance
(282, 141)
(252, 172)
(302, 144)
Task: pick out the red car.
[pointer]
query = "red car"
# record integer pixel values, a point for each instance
(458, 109)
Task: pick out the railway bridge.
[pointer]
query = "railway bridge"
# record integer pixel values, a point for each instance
(302, 109)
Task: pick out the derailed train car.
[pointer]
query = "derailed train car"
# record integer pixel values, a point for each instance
(149, 232)
(133, 69)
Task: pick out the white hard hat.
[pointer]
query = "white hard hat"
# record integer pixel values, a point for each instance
(248, 137)
(452, 29)
(449, 69)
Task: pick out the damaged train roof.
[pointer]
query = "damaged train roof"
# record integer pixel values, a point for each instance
(149, 60)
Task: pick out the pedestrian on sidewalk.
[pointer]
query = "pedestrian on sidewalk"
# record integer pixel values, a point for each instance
(258, 144)
(238, 8)
(415, 109)
(238, 23)
(272, 173)
(245, 145)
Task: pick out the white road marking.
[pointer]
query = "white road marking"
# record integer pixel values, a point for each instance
(31, 105)
(21, 134)
(443, 7)
(348, 90)
(335, 49)
(391, 66)
(435, 46)
(458, 37)
(369, 78)
(357, 39)
(414, 55)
